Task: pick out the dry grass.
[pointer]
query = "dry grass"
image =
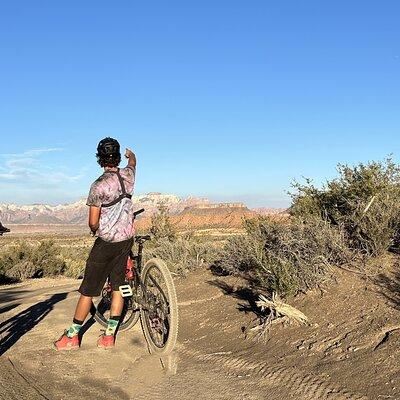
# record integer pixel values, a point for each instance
(279, 309)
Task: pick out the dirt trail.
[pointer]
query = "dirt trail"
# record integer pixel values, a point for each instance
(350, 350)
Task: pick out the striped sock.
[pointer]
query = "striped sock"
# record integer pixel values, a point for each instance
(112, 326)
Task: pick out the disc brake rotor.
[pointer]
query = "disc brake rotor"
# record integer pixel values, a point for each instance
(157, 315)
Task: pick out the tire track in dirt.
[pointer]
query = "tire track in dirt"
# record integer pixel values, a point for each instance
(237, 376)
(13, 385)
(23, 384)
(199, 383)
(199, 301)
(306, 386)
(242, 373)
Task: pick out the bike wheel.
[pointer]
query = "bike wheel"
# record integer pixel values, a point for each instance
(159, 316)
(130, 312)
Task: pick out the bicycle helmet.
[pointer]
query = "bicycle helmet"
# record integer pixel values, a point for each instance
(108, 153)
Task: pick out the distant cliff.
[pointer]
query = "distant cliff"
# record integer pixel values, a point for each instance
(216, 206)
(76, 213)
(190, 211)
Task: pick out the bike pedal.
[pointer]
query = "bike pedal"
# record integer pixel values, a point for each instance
(126, 291)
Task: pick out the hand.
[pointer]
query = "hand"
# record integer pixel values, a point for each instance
(129, 153)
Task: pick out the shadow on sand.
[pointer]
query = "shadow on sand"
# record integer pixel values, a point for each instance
(248, 296)
(8, 307)
(14, 328)
(389, 287)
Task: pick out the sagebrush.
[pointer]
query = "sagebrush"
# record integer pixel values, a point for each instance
(285, 255)
(363, 201)
(181, 253)
(23, 260)
(355, 216)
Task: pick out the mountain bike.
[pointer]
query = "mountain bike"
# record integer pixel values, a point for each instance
(149, 295)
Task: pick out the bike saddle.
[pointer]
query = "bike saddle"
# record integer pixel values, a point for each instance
(142, 238)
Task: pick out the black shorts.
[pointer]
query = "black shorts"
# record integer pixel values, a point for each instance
(106, 259)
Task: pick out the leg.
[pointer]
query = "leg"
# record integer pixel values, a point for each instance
(96, 273)
(83, 308)
(117, 278)
(70, 340)
(117, 304)
(117, 275)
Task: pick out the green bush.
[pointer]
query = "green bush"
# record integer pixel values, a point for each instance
(161, 226)
(22, 261)
(357, 214)
(363, 201)
(74, 268)
(183, 253)
(75, 259)
(285, 256)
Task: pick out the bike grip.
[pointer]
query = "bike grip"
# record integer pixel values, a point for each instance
(136, 213)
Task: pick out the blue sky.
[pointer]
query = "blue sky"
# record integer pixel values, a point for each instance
(226, 99)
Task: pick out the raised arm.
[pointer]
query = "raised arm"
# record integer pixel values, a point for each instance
(130, 155)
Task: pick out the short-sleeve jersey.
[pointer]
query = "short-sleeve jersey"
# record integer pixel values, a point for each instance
(116, 221)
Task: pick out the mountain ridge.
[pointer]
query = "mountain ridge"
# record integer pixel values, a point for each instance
(76, 212)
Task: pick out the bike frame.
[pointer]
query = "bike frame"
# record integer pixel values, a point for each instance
(138, 298)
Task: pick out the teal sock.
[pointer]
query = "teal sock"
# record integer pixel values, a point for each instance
(74, 330)
(112, 326)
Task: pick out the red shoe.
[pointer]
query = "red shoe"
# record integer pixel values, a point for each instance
(106, 341)
(66, 343)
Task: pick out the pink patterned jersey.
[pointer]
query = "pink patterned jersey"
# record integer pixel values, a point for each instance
(116, 222)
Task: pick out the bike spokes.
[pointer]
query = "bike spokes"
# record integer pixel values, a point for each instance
(157, 310)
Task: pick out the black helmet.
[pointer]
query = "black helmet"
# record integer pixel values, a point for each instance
(108, 152)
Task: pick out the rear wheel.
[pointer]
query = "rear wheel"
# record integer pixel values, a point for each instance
(159, 316)
(130, 313)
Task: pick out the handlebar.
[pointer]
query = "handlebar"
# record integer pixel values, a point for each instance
(136, 213)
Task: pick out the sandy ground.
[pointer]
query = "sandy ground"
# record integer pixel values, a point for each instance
(349, 351)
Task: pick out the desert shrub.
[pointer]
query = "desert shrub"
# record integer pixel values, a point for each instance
(14, 262)
(161, 226)
(356, 214)
(285, 256)
(47, 260)
(74, 268)
(75, 258)
(21, 261)
(363, 201)
(183, 253)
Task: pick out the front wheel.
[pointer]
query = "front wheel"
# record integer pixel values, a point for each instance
(159, 315)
